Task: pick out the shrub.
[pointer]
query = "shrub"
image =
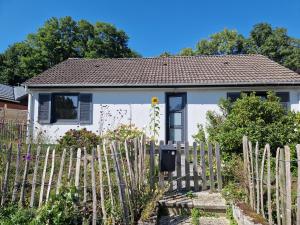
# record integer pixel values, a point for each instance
(78, 139)
(265, 121)
(12, 214)
(124, 132)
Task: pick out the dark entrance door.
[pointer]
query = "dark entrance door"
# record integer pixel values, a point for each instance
(176, 117)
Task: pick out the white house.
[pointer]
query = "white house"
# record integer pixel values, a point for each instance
(100, 94)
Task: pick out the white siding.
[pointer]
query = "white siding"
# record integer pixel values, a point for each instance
(125, 106)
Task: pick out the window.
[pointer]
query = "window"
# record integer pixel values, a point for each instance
(65, 107)
(283, 96)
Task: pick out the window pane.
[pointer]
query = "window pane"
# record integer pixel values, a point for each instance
(65, 106)
(284, 96)
(175, 103)
(233, 96)
(175, 119)
(176, 134)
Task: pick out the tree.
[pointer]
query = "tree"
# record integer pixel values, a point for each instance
(58, 40)
(187, 52)
(265, 121)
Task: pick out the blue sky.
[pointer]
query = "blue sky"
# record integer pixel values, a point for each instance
(154, 26)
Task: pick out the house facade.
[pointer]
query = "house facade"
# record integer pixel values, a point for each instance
(101, 94)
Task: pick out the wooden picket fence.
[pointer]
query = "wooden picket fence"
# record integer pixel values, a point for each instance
(267, 194)
(30, 174)
(13, 131)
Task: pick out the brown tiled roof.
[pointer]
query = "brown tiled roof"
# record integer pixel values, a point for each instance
(229, 70)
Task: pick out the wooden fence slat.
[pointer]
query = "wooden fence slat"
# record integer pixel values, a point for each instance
(288, 185)
(94, 221)
(298, 186)
(257, 179)
(70, 166)
(277, 186)
(251, 175)
(282, 185)
(102, 199)
(84, 176)
(120, 182)
(25, 174)
(136, 172)
(7, 172)
(178, 166)
(219, 174)
(261, 182)
(130, 171)
(187, 164)
(269, 186)
(51, 175)
(36, 167)
(60, 173)
(152, 164)
(211, 170)
(77, 170)
(109, 180)
(17, 175)
(203, 166)
(160, 175)
(170, 174)
(195, 166)
(44, 177)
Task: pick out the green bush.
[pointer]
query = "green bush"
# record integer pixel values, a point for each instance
(78, 139)
(124, 132)
(265, 121)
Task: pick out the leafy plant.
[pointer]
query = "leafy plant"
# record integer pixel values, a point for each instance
(195, 215)
(123, 132)
(154, 118)
(190, 194)
(200, 135)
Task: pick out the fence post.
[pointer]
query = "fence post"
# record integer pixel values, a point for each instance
(211, 170)
(36, 166)
(16, 182)
(152, 163)
(161, 175)
(6, 178)
(44, 177)
(277, 187)
(257, 179)
(77, 171)
(251, 175)
(70, 166)
(282, 185)
(195, 167)
(94, 188)
(102, 200)
(298, 185)
(203, 166)
(178, 166)
(187, 164)
(51, 175)
(27, 161)
(170, 174)
(218, 159)
(288, 185)
(269, 186)
(60, 173)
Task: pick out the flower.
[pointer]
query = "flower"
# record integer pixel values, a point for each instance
(154, 101)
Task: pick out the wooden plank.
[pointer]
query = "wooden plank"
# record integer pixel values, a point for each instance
(203, 166)
(136, 172)
(60, 173)
(251, 175)
(277, 186)
(245, 166)
(77, 170)
(120, 182)
(160, 175)
(102, 198)
(211, 166)
(282, 186)
(261, 182)
(130, 171)
(298, 186)
(94, 221)
(178, 166)
(195, 167)
(51, 175)
(7, 172)
(36, 167)
(70, 166)
(170, 174)
(288, 185)
(109, 180)
(257, 179)
(25, 174)
(187, 164)
(44, 177)
(219, 174)
(17, 175)
(269, 186)
(84, 176)
(152, 164)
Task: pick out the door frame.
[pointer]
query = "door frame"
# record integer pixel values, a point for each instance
(184, 119)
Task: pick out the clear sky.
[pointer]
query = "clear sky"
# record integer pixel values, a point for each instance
(154, 26)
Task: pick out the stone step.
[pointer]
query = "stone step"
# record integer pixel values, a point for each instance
(185, 220)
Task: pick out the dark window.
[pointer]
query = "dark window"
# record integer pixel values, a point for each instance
(65, 106)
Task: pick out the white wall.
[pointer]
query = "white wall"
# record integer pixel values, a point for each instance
(114, 107)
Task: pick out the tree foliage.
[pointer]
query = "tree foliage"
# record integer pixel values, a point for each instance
(265, 121)
(57, 40)
(274, 43)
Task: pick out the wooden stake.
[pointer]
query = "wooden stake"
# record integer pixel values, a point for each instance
(218, 159)
(269, 186)
(187, 164)
(36, 167)
(102, 199)
(70, 166)
(277, 187)
(27, 161)
(288, 186)
(77, 170)
(261, 182)
(51, 175)
(195, 167)
(130, 171)
(178, 166)
(257, 179)
(84, 176)
(203, 166)
(298, 186)
(94, 188)
(60, 173)
(44, 177)
(7, 171)
(16, 182)
(282, 185)
(251, 175)
(211, 171)
(152, 163)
